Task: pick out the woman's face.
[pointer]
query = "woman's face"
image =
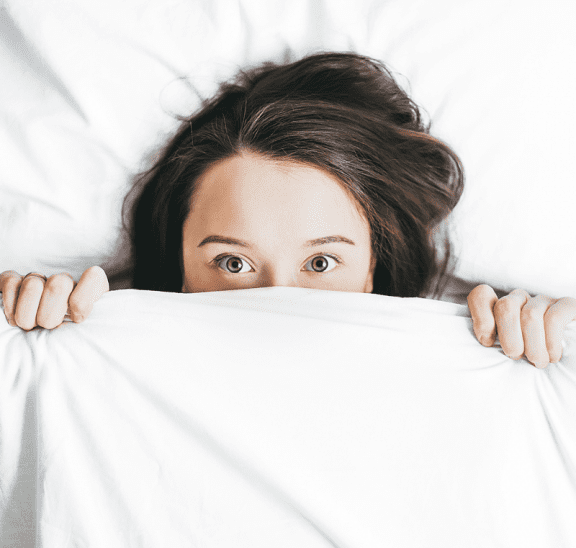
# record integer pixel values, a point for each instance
(257, 222)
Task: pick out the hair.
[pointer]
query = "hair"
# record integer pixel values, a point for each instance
(340, 112)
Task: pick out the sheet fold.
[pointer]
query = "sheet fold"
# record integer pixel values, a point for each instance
(282, 417)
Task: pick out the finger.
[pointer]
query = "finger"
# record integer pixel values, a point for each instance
(54, 300)
(507, 315)
(7, 274)
(558, 316)
(92, 285)
(532, 324)
(481, 301)
(28, 299)
(9, 287)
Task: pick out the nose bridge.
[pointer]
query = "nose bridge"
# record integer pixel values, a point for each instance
(280, 275)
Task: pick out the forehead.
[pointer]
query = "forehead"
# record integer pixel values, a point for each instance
(248, 191)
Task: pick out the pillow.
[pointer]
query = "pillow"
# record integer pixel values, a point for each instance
(282, 417)
(91, 90)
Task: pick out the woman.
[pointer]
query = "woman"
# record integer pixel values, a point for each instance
(319, 174)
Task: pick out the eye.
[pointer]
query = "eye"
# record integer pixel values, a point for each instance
(320, 264)
(233, 263)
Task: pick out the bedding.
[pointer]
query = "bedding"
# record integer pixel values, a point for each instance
(90, 90)
(281, 417)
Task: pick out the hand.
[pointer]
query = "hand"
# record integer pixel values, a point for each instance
(525, 325)
(31, 301)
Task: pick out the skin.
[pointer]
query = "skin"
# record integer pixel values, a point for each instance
(276, 207)
(525, 325)
(31, 301)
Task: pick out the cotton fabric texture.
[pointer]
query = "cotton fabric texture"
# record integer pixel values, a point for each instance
(281, 417)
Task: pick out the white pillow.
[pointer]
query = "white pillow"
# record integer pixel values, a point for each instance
(90, 89)
(282, 417)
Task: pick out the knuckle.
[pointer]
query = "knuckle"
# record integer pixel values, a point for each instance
(59, 283)
(79, 307)
(484, 288)
(519, 293)
(555, 319)
(9, 275)
(100, 277)
(530, 314)
(479, 291)
(33, 281)
(98, 270)
(505, 306)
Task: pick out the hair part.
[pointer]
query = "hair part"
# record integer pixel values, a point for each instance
(340, 112)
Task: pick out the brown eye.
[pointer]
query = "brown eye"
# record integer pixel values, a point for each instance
(320, 263)
(233, 264)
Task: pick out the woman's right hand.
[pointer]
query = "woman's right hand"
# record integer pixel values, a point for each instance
(31, 301)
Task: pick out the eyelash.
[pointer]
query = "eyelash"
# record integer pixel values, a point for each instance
(219, 258)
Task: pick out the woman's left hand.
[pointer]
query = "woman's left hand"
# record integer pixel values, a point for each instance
(533, 326)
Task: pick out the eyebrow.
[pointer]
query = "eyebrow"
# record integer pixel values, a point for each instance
(215, 239)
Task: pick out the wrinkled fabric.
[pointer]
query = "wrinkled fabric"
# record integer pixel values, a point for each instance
(90, 92)
(281, 417)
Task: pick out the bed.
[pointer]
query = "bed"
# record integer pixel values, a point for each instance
(283, 416)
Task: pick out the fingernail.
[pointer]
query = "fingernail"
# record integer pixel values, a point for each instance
(78, 318)
(541, 365)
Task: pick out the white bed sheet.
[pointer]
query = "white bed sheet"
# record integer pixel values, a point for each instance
(281, 417)
(89, 91)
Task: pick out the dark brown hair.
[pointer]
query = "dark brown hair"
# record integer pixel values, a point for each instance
(341, 112)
